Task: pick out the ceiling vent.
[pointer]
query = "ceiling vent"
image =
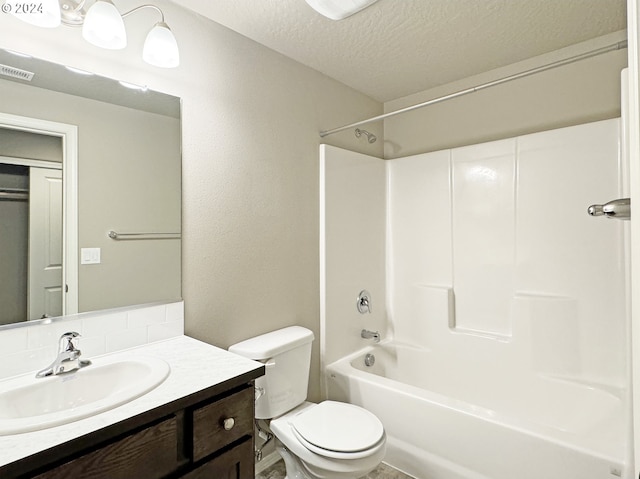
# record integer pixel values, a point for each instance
(14, 72)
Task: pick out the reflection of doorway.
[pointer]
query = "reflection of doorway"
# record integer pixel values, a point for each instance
(45, 243)
(61, 254)
(14, 234)
(31, 239)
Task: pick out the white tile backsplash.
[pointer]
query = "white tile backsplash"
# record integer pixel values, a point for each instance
(175, 312)
(130, 338)
(31, 347)
(158, 332)
(105, 324)
(14, 340)
(148, 316)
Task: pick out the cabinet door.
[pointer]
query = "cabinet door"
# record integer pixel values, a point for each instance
(150, 453)
(237, 463)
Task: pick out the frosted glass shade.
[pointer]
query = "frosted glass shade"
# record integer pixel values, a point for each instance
(44, 13)
(160, 47)
(103, 26)
(339, 9)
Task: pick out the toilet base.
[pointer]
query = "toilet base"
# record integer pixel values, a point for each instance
(293, 467)
(296, 469)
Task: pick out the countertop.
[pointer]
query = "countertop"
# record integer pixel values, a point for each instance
(195, 366)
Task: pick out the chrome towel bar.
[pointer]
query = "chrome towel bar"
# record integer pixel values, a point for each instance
(142, 236)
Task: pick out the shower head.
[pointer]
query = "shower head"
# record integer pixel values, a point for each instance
(371, 138)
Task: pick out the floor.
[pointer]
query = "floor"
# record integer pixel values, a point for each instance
(383, 471)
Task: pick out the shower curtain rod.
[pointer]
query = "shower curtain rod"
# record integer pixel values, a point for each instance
(583, 56)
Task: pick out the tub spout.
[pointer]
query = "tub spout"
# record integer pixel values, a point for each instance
(366, 334)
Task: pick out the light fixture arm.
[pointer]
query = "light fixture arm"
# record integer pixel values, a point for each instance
(72, 12)
(148, 5)
(77, 6)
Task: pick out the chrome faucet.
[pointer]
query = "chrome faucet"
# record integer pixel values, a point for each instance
(366, 334)
(68, 358)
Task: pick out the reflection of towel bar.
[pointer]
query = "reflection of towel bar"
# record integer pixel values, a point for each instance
(14, 194)
(141, 236)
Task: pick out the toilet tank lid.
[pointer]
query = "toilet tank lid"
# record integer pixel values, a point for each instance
(270, 344)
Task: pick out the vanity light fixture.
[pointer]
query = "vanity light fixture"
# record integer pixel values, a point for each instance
(102, 26)
(160, 47)
(339, 9)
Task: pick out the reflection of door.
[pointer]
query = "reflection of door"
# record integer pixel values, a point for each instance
(68, 136)
(45, 243)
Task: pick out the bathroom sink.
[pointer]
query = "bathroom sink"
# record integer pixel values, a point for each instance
(28, 403)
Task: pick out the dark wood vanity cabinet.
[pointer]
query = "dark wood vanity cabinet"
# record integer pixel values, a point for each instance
(146, 453)
(204, 436)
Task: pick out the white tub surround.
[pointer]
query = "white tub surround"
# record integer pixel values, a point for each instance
(494, 240)
(352, 248)
(506, 304)
(195, 367)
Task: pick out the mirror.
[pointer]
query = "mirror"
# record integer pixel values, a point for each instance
(81, 156)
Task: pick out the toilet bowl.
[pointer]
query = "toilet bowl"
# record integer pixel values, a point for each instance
(328, 440)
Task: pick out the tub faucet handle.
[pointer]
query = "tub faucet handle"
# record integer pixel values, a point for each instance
(363, 303)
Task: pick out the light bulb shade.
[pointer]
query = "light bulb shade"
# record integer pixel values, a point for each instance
(339, 9)
(160, 47)
(45, 13)
(103, 26)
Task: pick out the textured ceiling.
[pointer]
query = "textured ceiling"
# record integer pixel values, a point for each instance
(399, 47)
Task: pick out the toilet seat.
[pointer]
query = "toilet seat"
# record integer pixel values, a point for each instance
(338, 430)
(319, 462)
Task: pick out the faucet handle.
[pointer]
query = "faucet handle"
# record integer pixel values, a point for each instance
(363, 303)
(66, 341)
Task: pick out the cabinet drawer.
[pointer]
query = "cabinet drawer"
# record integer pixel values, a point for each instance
(237, 463)
(222, 422)
(150, 453)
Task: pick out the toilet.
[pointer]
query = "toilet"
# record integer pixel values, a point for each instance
(329, 440)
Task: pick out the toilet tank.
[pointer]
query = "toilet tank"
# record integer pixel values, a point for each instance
(286, 354)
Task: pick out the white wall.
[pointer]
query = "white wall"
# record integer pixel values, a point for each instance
(250, 165)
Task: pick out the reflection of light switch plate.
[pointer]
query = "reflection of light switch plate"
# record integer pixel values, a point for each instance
(89, 255)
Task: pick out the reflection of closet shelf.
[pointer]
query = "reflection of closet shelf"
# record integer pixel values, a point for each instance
(142, 236)
(14, 194)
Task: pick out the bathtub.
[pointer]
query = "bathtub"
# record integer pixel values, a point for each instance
(440, 427)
